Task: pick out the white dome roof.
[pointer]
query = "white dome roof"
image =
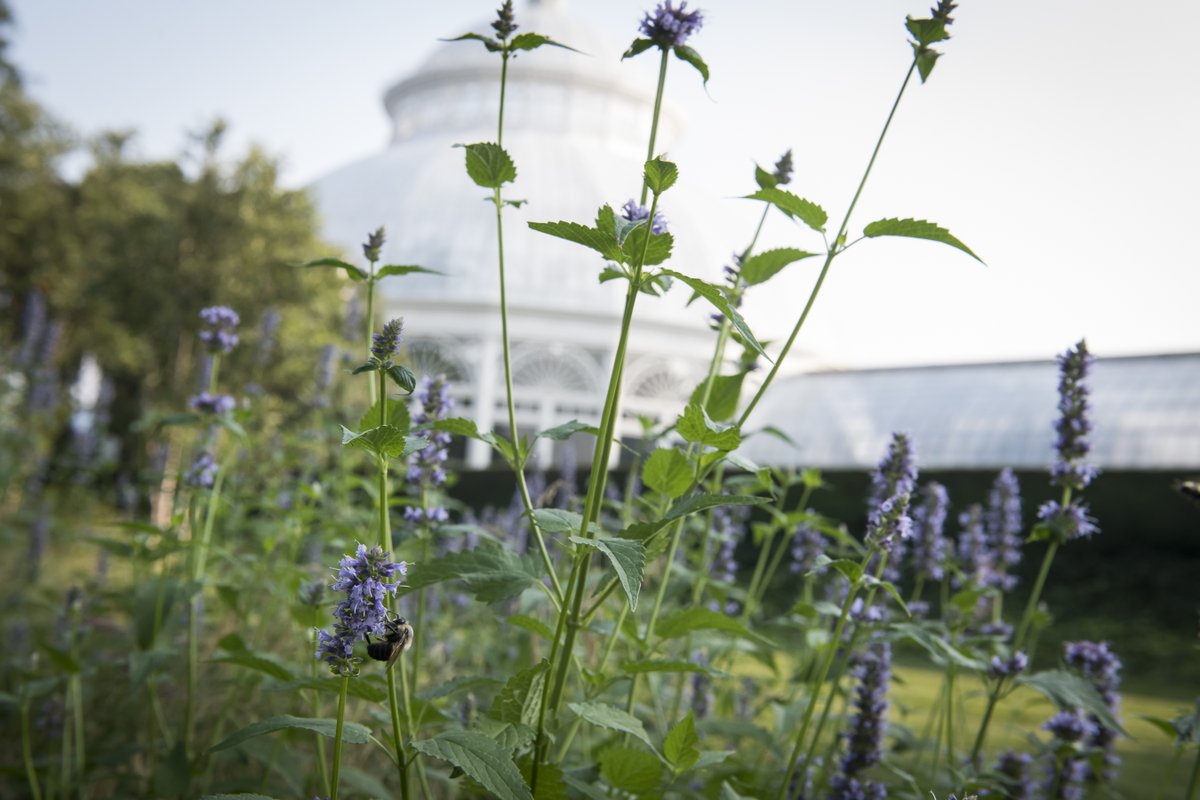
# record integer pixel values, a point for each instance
(575, 126)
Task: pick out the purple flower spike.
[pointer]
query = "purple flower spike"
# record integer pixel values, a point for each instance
(892, 486)
(634, 212)
(385, 343)
(864, 739)
(1073, 424)
(365, 579)
(669, 26)
(219, 336)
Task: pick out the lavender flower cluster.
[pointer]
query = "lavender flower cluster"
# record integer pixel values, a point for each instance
(864, 739)
(365, 579)
(202, 474)
(385, 343)
(219, 336)
(1003, 524)
(728, 528)
(929, 544)
(669, 26)
(209, 403)
(1071, 521)
(1096, 662)
(807, 544)
(892, 486)
(426, 469)
(635, 212)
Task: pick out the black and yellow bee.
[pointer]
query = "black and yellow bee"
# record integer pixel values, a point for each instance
(1190, 490)
(397, 637)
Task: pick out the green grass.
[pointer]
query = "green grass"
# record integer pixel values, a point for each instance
(1147, 758)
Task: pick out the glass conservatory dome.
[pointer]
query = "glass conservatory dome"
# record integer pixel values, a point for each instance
(575, 125)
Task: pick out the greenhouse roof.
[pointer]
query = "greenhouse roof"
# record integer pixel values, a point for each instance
(1146, 415)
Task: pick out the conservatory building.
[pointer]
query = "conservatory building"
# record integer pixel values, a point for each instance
(576, 127)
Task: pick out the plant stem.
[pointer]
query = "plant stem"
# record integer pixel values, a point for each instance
(397, 734)
(35, 788)
(316, 708)
(658, 98)
(412, 726)
(820, 681)
(1194, 779)
(337, 738)
(830, 255)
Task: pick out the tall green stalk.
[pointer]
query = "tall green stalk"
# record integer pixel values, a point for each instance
(337, 739)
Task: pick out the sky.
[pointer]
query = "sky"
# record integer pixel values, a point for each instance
(1056, 138)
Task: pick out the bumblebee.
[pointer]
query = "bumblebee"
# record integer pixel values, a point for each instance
(397, 637)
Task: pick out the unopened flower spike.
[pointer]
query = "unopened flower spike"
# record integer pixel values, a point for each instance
(374, 244)
(783, 169)
(926, 32)
(504, 24)
(385, 343)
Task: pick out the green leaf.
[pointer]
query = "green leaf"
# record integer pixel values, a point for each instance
(551, 783)
(927, 31)
(764, 178)
(942, 651)
(679, 748)
(489, 165)
(794, 207)
(916, 229)
(459, 426)
(491, 44)
(695, 426)
(511, 736)
(363, 689)
(397, 416)
(490, 572)
(716, 296)
(628, 558)
(851, 569)
(558, 520)
(355, 273)
(534, 626)
(520, 699)
(657, 250)
(481, 757)
(687, 54)
(890, 588)
(668, 471)
(532, 41)
(1163, 725)
(402, 269)
(761, 267)
(352, 732)
(660, 175)
(1067, 689)
(666, 665)
(613, 718)
(723, 397)
(565, 431)
(690, 505)
(926, 59)
(688, 620)
(386, 441)
(638, 46)
(402, 376)
(630, 770)
(603, 242)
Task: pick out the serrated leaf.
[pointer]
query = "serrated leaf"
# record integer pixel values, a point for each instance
(722, 397)
(890, 588)
(680, 747)
(927, 31)
(657, 249)
(402, 376)
(459, 426)
(690, 56)
(668, 472)
(628, 558)
(491, 44)
(761, 267)
(630, 770)
(764, 178)
(490, 572)
(481, 757)
(402, 269)
(717, 298)
(565, 431)
(688, 620)
(386, 441)
(489, 165)
(550, 784)
(794, 207)
(603, 242)
(397, 416)
(695, 426)
(638, 46)
(512, 736)
(355, 273)
(916, 229)
(660, 175)
(613, 718)
(532, 41)
(1066, 690)
(352, 732)
(942, 651)
(558, 520)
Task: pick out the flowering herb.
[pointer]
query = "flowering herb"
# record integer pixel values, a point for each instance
(892, 485)
(1002, 522)
(426, 470)
(634, 212)
(1096, 662)
(864, 738)
(210, 403)
(202, 474)
(670, 26)
(219, 336)
(364, 580)
(929, 544)
(384, 345)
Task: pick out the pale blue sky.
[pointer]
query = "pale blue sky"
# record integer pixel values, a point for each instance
(1056, 138)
